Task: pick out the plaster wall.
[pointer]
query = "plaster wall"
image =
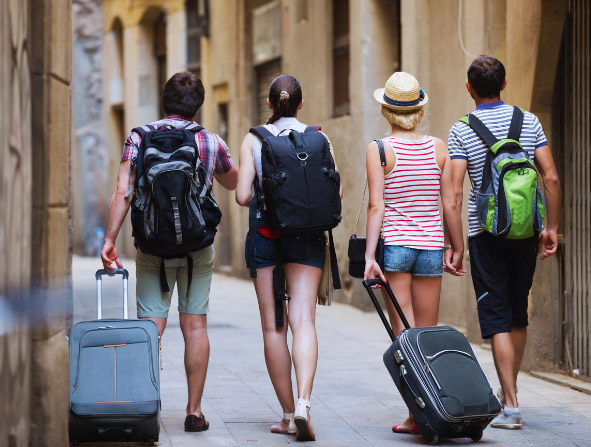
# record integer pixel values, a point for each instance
(512, 32)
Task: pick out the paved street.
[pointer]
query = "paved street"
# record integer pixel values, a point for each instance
(354, 402)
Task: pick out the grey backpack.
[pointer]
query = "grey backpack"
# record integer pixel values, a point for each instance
(173, 212)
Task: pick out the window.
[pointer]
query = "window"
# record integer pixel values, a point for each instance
(265, 74)
(197, 12)
(159, 36)
(340, 57)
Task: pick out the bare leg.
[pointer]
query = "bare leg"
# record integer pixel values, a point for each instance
(426, 292)
(194, 329)
(277, 355)
(519, 336)
(504, 355)
(302, 285)
(401, 285)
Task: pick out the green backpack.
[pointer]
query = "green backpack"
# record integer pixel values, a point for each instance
(510, 204)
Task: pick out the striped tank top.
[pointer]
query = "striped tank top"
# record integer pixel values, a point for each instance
(411, 217)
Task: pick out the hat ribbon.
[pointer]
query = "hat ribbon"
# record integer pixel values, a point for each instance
(414, 102)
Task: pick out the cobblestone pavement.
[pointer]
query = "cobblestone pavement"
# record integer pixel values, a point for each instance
(354, 402)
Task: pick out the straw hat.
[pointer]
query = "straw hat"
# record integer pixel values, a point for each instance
(402, 92)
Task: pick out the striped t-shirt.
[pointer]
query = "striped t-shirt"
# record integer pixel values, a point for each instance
(411, 216)
(464, 143)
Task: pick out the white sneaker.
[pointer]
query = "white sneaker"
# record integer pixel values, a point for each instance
(512, 422)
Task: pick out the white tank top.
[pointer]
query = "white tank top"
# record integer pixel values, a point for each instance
(411, 217)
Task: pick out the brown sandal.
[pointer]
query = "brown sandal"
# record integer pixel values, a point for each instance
(196, 423)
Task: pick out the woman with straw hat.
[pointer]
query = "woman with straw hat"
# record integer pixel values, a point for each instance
(403, 209)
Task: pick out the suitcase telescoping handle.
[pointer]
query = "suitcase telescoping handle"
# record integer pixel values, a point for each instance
(368, 283)
(99, 289)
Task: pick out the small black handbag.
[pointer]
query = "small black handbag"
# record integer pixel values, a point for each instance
(356, 250)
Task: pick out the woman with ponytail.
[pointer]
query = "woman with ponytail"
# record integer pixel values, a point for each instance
(303, 259)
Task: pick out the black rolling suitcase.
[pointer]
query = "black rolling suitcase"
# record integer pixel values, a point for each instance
(439, 378)
(114, 377)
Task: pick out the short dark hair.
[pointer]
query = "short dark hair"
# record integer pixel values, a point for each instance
(486, 75)
(183, 94)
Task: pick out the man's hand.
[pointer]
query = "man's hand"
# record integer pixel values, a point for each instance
(549, 241)
(109, 254)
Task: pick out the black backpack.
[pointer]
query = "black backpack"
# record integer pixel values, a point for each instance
(301, 187)
(172, 212)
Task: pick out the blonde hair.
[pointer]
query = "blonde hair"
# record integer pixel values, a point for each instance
(406, 120)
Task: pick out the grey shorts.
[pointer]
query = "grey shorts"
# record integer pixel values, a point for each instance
(153, 303)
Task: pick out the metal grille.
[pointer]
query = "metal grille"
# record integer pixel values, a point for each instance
(579, 201)
(265, 74)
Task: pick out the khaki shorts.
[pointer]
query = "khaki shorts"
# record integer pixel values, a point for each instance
(153, 303)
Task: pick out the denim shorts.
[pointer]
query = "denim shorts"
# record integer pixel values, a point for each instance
(411, 260)
(309, 249)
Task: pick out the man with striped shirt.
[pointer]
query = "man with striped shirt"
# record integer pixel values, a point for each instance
(502, 269)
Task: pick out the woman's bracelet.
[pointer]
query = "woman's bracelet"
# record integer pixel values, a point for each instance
(447, 247)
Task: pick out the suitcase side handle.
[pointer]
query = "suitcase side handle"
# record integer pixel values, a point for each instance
(368, 283)
(99, 290)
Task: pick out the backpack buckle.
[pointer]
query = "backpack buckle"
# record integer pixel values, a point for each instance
(302, 156)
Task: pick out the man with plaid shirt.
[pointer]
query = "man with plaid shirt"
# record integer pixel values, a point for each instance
(182, 96)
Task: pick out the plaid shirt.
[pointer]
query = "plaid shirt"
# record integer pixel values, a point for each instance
(213, 151)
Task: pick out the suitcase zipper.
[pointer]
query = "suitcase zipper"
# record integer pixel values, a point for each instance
(428, 371)
(414, 364)
(437, 354)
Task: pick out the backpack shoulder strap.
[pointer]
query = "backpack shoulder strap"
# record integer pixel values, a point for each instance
(261, 131)
(312, 129)
(516, 124)
(481, 130)
(142, 131)
(194, 127)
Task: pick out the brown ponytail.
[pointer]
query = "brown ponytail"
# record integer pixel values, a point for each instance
(285, 95)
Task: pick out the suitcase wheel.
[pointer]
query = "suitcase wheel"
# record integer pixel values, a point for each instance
(150, 441)
(477, 437)
(434, 440)
(75, 442)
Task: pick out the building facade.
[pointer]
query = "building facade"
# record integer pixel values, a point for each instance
(341, 50)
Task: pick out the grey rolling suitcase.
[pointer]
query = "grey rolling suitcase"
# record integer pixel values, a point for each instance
(438, 376)
(114, 377)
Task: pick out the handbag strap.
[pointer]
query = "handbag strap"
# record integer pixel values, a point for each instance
(383, 164)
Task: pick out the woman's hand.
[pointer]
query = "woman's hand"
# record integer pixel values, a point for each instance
(372, 271)
(453, 260)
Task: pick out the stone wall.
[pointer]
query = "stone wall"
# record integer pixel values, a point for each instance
(51, 63)
(15, 222)
(35, 236)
